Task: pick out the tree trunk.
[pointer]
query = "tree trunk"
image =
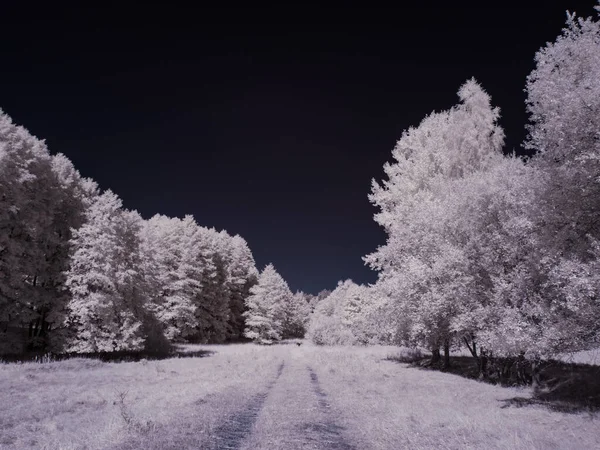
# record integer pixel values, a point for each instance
(446, 354)
(535, 374)
(483, 364)
(472, 347)
(435, 356)
(44, 325)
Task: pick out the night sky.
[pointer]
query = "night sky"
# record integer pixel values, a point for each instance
(269, 123)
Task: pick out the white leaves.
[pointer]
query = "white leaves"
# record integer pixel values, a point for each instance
(41, 198)
(563, 93)
(352, 314)
(74, 262)
(488, 247)
(200, 278)
(424, 265)
(268, 306)
(175, 260)
(106, 280)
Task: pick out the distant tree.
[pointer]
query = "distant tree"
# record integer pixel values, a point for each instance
(327, 326)
(366, 312)
(241, 276)
(266, 307)
(171, 264)
(200, 279)
(296, 315)
(212, 312)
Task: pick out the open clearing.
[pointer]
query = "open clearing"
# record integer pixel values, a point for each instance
(279, 397)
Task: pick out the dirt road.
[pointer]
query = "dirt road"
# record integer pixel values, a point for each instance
(285, 397)
(295, 414)
(336, 398)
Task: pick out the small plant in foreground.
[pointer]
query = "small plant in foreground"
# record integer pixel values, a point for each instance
(130, 421)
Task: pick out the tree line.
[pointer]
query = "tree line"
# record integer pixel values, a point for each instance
(79, 273)
(494, 252)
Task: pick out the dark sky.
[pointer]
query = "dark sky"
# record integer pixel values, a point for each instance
(269, 123)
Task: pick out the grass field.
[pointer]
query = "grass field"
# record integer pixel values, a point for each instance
(282, 396)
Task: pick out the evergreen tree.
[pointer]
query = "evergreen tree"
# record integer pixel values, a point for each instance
(106, 281)
(296, 315)
(241, 276)
(41, 198)
(266, 307)
(170, 254)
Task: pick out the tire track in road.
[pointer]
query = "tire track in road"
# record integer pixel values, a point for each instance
(237, 427)
(328, 433)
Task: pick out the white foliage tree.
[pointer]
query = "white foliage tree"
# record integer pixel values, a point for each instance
(366, 314)
(422, 264)
(352, 314)
(170, 251)
(106, 280)
(212, 311)
(296, 315)
(76, 196)
(41, 198)
(266, 306)
(79, 273)
(326, 326)
(563, 99)
(241, 276)
(498, 239)
(201, 278)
